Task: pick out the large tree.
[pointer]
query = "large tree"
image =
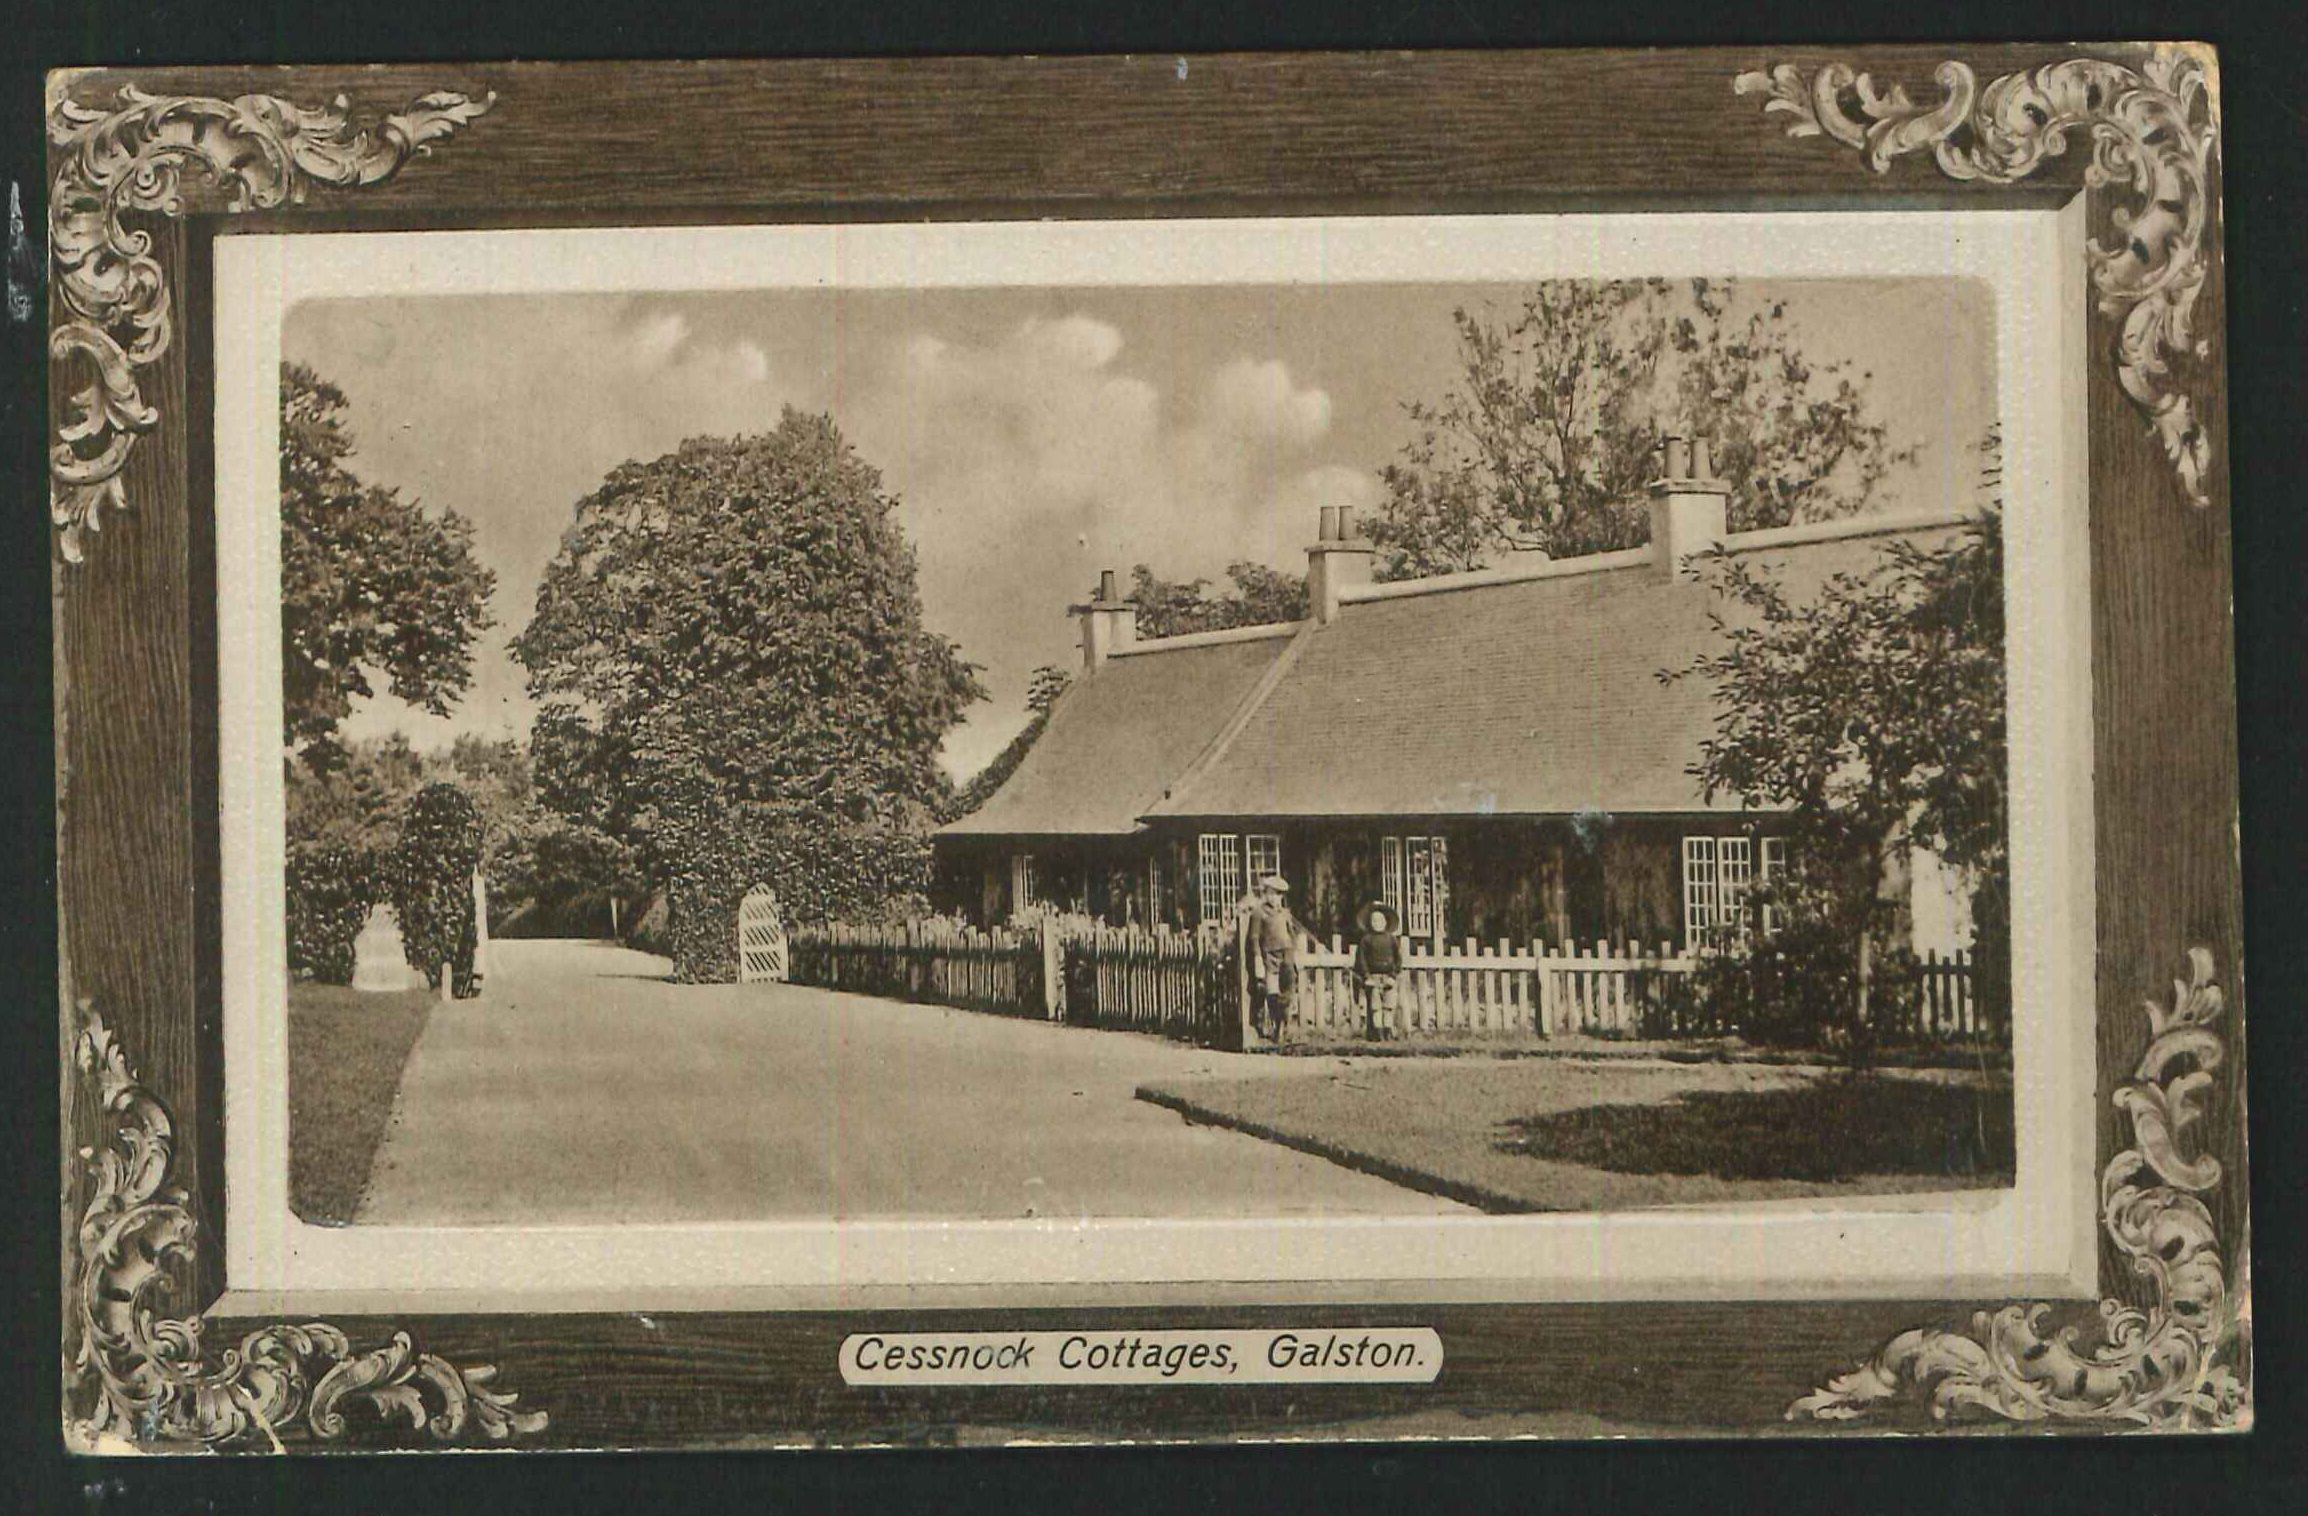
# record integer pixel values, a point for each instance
(1873, 711)
(370, 583)
(734, 629)
(1548, 434)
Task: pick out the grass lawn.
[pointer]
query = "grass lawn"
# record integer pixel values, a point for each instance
(346, 1051)
(1562, 1134)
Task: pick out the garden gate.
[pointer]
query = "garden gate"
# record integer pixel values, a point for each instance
(761, 946)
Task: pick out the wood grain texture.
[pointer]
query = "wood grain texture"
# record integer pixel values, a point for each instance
(608, 143)
(131, 799)
(2164, 743)
(708, 1380)
(1381, 131)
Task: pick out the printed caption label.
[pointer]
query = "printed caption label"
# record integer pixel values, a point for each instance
(1315, 1355)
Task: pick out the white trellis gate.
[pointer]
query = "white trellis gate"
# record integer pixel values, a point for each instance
(761, 944)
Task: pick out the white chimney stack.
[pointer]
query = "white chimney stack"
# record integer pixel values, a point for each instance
(1689, 506)
(1108, 622)
(1335, 560)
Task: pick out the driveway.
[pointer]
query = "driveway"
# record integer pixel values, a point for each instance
(585, 1087)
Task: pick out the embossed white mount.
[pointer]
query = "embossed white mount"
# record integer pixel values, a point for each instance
(263, 152)
(2152, 133)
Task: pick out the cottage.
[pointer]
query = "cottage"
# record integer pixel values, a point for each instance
(1493, 753)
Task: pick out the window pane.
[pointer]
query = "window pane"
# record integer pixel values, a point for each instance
(1390, 887)
(1733, 866)
(1265, 854)
(1698, 887)
(1774, 866)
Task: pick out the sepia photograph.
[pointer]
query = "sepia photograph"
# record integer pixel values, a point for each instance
(1257, 751)
(1327, 766)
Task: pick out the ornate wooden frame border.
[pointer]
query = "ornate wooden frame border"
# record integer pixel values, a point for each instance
(148, 167)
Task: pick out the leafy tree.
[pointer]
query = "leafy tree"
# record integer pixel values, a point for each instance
(1874, 711)
(369, 582)
(736, 624)
(1256, 596)
(1550, 432)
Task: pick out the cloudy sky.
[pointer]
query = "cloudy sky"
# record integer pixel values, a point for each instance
(1033, 436)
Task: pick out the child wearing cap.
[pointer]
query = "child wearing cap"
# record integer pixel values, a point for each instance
(1378, 968)
(1274, 935)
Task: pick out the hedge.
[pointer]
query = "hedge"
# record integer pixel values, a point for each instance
(331, 889)
(821, 872)
(431, 880)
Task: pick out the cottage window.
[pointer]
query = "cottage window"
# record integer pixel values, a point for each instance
(1262, 855)
(1219, 875)
(1774, 867)
(1698, 888)
(1156, 907)
(1717, 873)
(1414, 881)
(1023, 890)
(1229, 863)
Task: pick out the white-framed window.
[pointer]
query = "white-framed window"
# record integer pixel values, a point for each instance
(1155, 915)
(1229, 863)
(1218, 875)
(1024, 888)
(1774, 867)
(1414, 881)
(1699, 916)
(1262, 855)
(1717, 874)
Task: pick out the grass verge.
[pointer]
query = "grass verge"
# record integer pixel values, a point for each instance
(1529, 1135)
(346, 1052)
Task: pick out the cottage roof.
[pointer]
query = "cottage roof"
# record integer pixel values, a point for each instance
(1118, 737)
(1538, 695)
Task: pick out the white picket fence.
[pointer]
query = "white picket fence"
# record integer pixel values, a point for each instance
(1496, 989)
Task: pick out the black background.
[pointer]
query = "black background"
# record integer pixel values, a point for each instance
(2264, 66)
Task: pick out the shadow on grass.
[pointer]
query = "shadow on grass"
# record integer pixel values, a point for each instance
(1837, 1128)
(346, 1049)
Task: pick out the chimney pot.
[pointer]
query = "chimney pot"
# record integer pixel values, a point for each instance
(1334, 561)
(1701, 466)
(1678, 459)
(1108, 622)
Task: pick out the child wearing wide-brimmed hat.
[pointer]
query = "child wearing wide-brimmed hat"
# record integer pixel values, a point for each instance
(1380, 957)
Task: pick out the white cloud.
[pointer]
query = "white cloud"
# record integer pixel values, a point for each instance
(1036, 458)
(1259, 399)
(652, 340)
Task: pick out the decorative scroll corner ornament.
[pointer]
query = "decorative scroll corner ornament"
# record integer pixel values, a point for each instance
(2179, 1364)
(139, 1379)
(2152, 131)
(261, 152)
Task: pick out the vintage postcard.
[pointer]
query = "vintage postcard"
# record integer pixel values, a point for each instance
(1151, 823)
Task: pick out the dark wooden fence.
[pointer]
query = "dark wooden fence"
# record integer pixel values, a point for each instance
(1173, 984)
(934, 962)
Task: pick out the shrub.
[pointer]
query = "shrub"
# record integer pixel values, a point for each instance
(331, 889)
(1798, 986)
(431, 881)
